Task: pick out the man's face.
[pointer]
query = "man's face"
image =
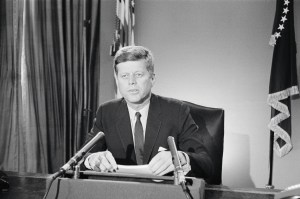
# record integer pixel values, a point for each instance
(134, 81)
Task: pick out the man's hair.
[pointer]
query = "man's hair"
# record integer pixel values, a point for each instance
(134, 53)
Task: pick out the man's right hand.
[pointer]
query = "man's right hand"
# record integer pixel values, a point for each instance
(102, 162)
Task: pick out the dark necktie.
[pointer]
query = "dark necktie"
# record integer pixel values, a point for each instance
(139, 139)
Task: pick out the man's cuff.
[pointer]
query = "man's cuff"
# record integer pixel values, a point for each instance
(86, 162)
(186, 166)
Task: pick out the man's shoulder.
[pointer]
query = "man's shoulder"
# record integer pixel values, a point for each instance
(168, 102)
(112, 104)
(169, 107)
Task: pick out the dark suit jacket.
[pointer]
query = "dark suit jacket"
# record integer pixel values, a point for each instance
(166, 117)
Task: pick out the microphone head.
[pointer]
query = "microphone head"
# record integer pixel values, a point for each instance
(88, 146)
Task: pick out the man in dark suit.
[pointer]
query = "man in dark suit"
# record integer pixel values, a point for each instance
(137, 126)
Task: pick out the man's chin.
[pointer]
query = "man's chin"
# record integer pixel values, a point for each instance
(134, 100)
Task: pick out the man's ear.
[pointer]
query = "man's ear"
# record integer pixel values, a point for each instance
(153, 78)
(115, 76)
(117, 94)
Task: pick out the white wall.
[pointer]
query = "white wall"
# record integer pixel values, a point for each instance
(215, 53)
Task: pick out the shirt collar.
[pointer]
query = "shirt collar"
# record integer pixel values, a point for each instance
(143, 111)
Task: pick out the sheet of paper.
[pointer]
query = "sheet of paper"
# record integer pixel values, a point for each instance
(134, 169)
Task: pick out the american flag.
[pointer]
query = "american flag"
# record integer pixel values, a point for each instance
(125, 20)
(283, 79)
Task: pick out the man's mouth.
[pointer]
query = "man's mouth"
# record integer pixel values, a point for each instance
(133, 91)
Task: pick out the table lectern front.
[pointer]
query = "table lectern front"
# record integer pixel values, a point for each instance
(113, 186)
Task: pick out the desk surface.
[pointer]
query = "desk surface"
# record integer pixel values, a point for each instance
(24, 185)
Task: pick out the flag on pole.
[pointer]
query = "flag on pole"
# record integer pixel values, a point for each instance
(124, 33)
(125, 20)
(283, 79)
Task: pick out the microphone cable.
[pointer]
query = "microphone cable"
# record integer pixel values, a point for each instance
(186, 191)
(50, 183)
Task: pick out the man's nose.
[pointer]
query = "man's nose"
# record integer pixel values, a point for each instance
(132, 80)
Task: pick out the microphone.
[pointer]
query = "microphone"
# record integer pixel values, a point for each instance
(178, 171)
(79, 155)
(179, 178)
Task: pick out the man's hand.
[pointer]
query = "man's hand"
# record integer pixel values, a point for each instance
(162, 163)
(102, 161)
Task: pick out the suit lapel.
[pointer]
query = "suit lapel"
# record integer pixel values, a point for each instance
(153, 127)
(123, 127)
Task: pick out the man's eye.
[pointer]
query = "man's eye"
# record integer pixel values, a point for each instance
(138, 74)
(124, 76)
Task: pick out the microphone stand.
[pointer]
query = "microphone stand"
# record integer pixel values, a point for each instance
(179, 178)
(77, 170)
(76, 175)
(75, 160)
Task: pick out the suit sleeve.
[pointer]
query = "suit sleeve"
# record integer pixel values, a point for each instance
(97, 127)
(189, 141)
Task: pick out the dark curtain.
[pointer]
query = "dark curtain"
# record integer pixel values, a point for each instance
(10, 84)
(54, 91)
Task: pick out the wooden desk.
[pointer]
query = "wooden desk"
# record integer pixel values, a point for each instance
(224, 192)
(24, 185)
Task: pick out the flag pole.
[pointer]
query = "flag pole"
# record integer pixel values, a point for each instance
(271, 159)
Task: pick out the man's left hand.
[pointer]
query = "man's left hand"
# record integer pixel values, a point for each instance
(162, 163)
